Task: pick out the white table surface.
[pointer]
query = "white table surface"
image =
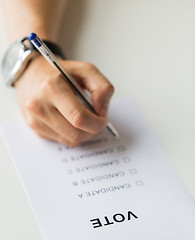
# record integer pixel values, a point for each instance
(147, 50)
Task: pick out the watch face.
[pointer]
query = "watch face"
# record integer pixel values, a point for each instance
(12, 60)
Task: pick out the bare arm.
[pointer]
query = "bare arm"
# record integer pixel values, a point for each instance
(40, 16)
(46, 100)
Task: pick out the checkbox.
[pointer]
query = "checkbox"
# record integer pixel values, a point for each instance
(69, 171)
(139, 183)
(133, 171)
(121, 148)
(60, 148)
(126, 159)
(64, 160)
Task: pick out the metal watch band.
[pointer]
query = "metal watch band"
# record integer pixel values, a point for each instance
(13, 65)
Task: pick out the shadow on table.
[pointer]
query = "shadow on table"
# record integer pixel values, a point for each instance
(72, 26)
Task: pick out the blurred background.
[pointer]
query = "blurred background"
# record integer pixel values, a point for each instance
(147, 50)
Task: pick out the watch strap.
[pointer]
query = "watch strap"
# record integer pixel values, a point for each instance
(56, 50)
(10, 76)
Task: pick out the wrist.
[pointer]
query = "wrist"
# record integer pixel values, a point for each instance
(18, 57)
(30, 71)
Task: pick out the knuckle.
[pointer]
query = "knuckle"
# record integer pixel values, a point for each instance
(108, 87)
(47, 86)
(74, 144)
(101, 126)
(62, 140)
(35, 106)
(89, 66)
(68, 143)
(76, 137)
(78, 119)
(41, 135)
(32, 123)
(99, 130)
(53, 85)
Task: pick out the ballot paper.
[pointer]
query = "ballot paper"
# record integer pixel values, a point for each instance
(105, 188)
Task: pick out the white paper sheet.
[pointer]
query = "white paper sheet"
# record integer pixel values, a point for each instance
(104, 189)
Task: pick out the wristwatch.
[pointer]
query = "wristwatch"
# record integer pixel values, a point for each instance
(18, 56)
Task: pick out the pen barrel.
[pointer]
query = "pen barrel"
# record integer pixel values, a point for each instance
(77, 89)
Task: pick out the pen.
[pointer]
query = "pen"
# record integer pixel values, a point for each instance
(49, 56)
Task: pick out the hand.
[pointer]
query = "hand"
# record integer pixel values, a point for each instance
(51, 108)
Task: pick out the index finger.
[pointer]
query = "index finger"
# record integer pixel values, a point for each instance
(92, 79)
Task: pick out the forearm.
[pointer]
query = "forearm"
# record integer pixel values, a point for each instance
(47, 102)
(40, 16)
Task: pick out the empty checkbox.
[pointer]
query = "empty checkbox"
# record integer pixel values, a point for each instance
(126, 159)
(121, 148)
(133, 171)
(139, 183)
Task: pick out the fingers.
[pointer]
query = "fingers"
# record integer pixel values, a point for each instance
(51, 108)
(63, 128)
(92, 79)
(64, 100)
(50, 124)
(43, 131)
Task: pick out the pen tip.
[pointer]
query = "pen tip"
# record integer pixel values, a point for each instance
(113, 131)
(116, 135)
